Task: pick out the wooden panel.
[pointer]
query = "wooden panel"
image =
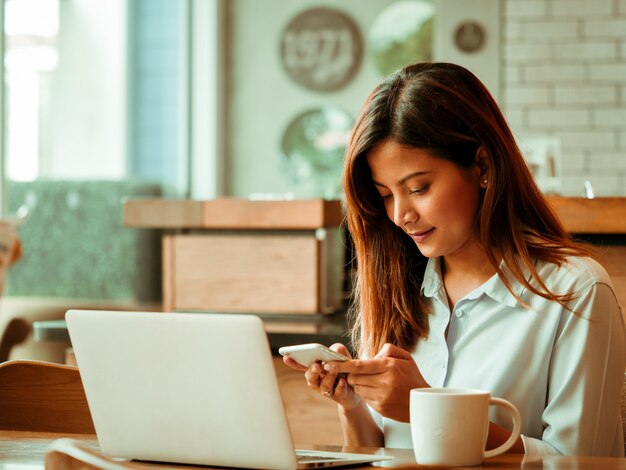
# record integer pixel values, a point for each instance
(168, 275)
(312, 418)
(163, 213)
(600, 215)
(623, 408)
(297, 214)
(45, 397)
(245, 273)
(231, 213)
(16, 331)
(614, 260)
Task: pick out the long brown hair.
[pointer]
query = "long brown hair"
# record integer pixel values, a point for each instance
(445, 109)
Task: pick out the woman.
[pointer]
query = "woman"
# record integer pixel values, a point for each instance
(466, 278)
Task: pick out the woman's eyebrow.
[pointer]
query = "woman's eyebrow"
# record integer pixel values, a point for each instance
(406, 178)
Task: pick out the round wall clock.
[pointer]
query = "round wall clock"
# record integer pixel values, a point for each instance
(470, 36)
(321, 49)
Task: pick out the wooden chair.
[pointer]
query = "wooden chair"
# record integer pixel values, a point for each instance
(43, 397)
(14, 333)
(624, 412)
(70, 454)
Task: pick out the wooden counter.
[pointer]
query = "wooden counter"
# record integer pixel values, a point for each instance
(602, 222)
(605, 215)
(232, 213)
(580, 215)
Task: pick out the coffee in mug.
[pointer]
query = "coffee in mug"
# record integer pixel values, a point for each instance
(449, 426)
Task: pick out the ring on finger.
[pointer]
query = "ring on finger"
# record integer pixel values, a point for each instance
(328, 393)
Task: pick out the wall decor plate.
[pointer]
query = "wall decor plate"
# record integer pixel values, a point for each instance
(314, 144)
(470, 36)
(321, 49)
(402, 34)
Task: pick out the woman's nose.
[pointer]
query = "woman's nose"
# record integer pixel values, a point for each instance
(403, 212)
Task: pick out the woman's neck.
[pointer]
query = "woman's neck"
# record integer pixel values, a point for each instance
(462, 273)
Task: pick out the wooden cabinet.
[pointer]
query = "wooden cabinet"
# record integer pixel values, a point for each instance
(235, 255)
(243, 272)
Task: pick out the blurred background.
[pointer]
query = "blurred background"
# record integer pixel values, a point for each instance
(109, 100)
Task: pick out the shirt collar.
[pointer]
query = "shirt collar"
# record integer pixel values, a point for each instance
(432, 278)
(493, 287)
(496, 289)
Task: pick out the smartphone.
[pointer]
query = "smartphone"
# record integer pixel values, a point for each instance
(307, 354)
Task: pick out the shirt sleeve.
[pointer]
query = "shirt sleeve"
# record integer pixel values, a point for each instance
(537, 447)
(378, 419)
(582, 414)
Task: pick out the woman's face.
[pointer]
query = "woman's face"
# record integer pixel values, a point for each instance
(434, 201)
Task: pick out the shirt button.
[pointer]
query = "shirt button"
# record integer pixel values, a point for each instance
(459, 313)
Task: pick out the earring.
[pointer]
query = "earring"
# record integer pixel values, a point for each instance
(485, 181)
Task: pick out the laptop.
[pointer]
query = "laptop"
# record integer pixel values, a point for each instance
(192, 388)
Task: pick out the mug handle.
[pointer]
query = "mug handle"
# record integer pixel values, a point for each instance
(517, 427)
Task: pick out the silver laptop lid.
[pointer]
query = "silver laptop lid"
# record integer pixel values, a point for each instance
(186, 388)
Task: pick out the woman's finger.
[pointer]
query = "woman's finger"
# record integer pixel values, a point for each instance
(366, 380)
(294, 364)
(358, 366)
(314, 375)
(389, 350)
(341, 349)
(327, 385)
(341, 389)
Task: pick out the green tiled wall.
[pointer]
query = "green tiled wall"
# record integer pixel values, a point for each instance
(75, 244)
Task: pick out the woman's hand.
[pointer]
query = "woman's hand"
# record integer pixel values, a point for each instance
(384, 381)
(330, 384)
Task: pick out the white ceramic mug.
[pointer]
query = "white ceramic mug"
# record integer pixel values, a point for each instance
(449, 426)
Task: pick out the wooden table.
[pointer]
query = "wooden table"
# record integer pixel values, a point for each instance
(27, 450)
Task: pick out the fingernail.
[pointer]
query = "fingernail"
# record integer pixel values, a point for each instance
(328, 368)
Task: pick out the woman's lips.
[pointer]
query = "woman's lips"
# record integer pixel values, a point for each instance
(419, 237)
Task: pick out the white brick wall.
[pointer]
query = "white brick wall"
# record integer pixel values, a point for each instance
(594, 51)
(521, 94)
(538, 31)
(554, 73)
(568, 94)
(605, 29)
(558, 119)
(527, 9)
(580, 8)
(588, 140)
(564, 75)
(610, 117)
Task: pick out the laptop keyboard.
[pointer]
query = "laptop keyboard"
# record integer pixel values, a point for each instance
(308, 458)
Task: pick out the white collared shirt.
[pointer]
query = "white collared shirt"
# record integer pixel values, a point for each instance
(563, 371)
